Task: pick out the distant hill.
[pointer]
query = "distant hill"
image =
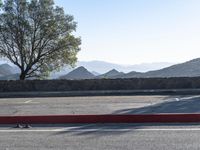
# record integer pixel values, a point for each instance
(8, 72)
(6, 69)
(111, 74)
(95, 73)
(10, 77)
(103, 67)
(188, 69)
(79, 73)
(131, 74)
(63, 71)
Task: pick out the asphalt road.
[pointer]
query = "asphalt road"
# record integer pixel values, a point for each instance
(74, 105)
(102, 137)
(100, 105)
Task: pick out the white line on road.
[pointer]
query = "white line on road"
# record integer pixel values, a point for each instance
(96, 130)
(26, 102)
(190, 97)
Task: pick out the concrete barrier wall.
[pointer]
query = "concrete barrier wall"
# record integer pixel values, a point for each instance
(99, 84)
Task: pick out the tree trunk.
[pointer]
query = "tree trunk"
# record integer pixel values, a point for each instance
(22, 76)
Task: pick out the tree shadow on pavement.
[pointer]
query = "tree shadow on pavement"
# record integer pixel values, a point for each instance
(99, 130)
(186, 104)
(179, 104)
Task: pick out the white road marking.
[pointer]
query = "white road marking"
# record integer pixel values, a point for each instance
(190, 97)
(96, 130)
(177, 99)
(26, 102)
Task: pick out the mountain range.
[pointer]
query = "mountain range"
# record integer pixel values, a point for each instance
(187, 69)
(101, 67)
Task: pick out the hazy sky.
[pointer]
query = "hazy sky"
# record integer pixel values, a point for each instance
(136, 31)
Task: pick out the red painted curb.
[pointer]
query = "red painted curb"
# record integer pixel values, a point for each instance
(140, 118)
